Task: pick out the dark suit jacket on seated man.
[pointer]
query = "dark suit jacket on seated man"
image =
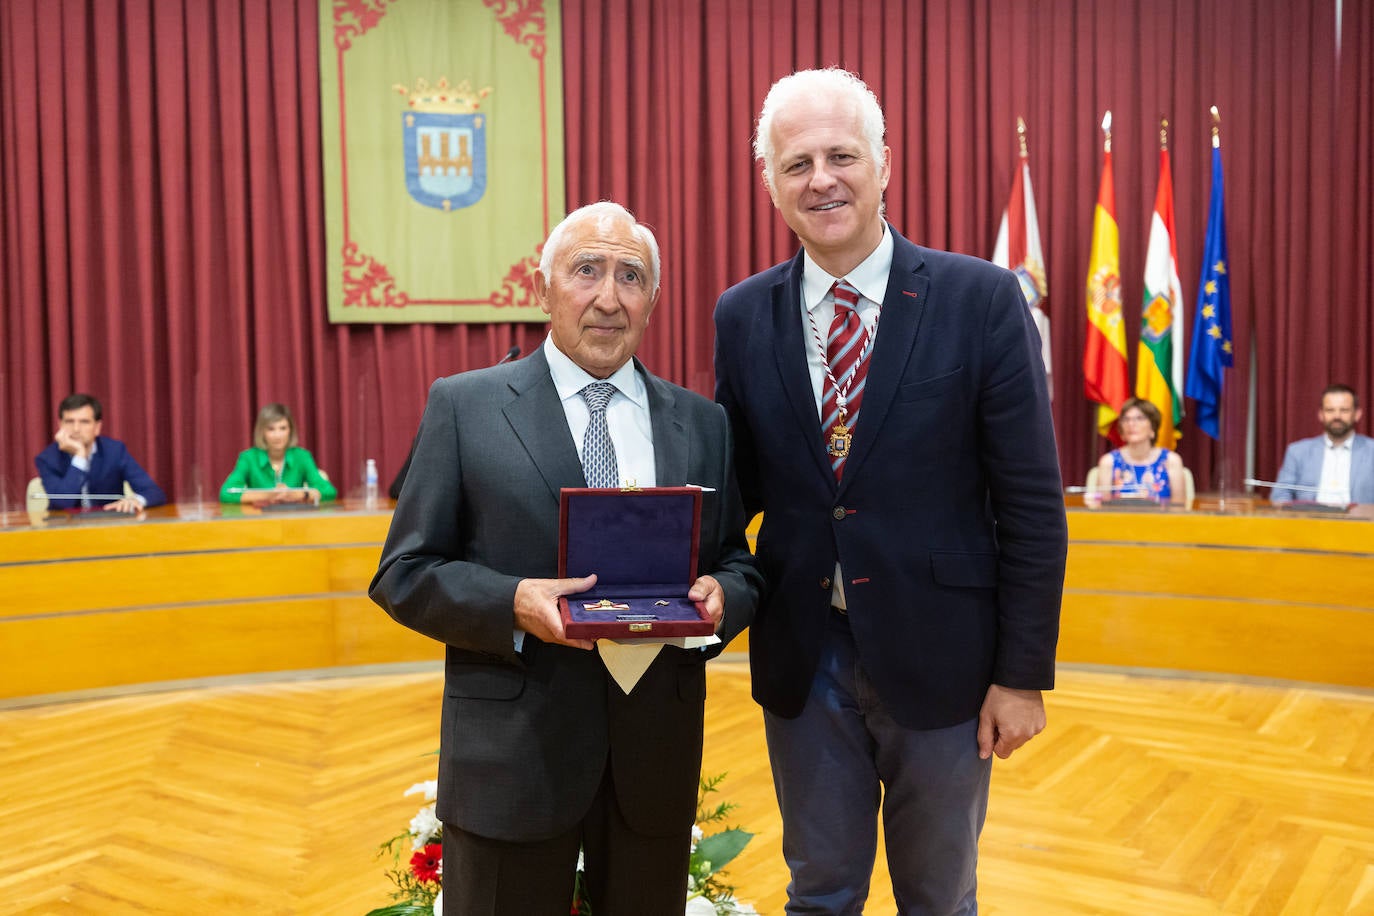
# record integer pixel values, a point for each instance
(79, 460)
(541, 751)
(913, 536)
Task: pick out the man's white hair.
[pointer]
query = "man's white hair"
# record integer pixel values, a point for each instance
(605, 214)
(832, 82)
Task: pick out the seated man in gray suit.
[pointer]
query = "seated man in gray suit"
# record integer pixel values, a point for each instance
(1337, 467)
(541, 751)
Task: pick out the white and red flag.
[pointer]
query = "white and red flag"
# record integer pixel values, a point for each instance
(1018, 249)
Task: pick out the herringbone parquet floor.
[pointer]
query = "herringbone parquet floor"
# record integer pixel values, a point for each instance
(1145, 796)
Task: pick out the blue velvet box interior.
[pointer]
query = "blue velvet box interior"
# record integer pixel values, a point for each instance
(642, 545)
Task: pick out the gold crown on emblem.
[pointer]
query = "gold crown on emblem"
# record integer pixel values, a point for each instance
(441, 97)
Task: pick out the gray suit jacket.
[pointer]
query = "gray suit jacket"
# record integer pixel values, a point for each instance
(526, 736)
(1302, 466)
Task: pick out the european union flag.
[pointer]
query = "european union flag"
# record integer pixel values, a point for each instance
(1211, 349)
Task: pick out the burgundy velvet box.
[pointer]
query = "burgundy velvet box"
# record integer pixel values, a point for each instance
(642, 545)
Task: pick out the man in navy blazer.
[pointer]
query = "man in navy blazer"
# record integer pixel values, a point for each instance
(1336, 467)
(80, 460)
(913, 573)
(541, 751)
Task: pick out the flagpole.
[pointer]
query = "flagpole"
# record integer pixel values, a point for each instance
(1093, 432)
(1223, 479)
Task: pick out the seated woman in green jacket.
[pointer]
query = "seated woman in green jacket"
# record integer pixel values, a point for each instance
(275, 469)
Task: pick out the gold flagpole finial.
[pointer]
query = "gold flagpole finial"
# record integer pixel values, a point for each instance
(1021, 136)
(1164, 133)
(1107, 132)
(1216, 128)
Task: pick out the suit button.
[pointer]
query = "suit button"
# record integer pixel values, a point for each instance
(838, 513)
(825, 581)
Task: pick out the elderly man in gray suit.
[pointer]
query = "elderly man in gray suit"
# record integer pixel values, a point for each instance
(541, 751)
(1335, 468)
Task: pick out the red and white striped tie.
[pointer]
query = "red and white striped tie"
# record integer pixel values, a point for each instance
(845, 349)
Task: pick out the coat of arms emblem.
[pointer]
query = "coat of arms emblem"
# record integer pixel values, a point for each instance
(445, 142)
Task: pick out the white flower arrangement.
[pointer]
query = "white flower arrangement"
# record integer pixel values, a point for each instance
(419, 879)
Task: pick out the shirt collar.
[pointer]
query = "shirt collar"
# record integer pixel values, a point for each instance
(869, 278)
(1344, 446)
(569, 378)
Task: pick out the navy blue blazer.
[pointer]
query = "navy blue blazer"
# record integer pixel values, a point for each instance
(949, 521)
(111, 466)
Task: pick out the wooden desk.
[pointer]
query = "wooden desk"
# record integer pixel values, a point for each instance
(97, 603)
(106, 603)
(1262, 595)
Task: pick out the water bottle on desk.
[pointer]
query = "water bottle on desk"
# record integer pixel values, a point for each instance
(370, 484)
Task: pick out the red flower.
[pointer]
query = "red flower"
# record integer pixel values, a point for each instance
(428, 863)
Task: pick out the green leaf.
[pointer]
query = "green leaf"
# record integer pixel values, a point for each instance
(720, 848)
(403, 909)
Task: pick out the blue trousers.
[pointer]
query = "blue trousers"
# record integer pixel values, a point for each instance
(842, 761)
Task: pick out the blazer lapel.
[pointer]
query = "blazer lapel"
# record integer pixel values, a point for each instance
(537, 419)
(1360, 461)
(672, 445)
(789, 350)
(903, 305)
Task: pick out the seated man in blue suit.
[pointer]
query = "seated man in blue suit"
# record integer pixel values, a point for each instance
(80, 460)
(1337, 467)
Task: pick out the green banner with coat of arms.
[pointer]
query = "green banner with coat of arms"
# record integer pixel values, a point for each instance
(443, 156)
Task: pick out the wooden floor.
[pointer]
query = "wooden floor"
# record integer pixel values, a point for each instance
(1145, 796)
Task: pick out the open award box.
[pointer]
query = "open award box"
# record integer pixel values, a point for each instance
(642, 545)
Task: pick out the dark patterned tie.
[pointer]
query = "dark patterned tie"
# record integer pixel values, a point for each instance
(598, 451)
(843, 349)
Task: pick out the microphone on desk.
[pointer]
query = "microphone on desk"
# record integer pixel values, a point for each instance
(1124, 488)
(1302, 505)
(395, 489)
(1253, 482)
(35, 496)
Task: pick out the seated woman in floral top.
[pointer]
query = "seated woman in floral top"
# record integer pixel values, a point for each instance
(1139, 469)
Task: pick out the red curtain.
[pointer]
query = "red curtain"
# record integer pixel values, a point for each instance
(161, 231)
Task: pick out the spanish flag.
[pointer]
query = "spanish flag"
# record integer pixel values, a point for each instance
(1159, 359)
(1104, 356)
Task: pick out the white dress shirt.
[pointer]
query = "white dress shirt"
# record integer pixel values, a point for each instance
(869, 278)
(627, 419)
(1334, 488)
(817, 313)
(627, 414)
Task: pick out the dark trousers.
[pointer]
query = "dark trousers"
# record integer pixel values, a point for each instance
(841, 764)
(627, 873)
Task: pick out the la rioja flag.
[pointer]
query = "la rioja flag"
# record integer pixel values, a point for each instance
(1159, 358)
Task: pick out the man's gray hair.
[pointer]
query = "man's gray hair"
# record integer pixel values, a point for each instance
(810, 83)
(605, 214)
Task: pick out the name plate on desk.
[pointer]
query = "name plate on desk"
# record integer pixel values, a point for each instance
(1135, 504)
(1307, 505)
(642, 546)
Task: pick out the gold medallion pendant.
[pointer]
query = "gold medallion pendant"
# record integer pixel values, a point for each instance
(840, 438)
